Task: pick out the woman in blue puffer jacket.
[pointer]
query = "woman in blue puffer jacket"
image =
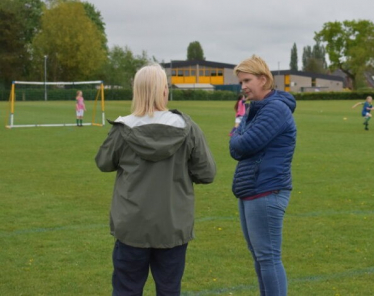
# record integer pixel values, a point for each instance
(264, 145)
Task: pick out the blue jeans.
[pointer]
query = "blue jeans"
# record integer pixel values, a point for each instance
(131, 268)
(262, 220)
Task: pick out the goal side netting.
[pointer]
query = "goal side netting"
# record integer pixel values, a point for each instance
(34, 104)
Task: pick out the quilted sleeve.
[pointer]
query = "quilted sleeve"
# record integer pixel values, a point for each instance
(270, 121)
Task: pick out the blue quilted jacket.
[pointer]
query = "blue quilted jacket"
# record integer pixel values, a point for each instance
(263, 145)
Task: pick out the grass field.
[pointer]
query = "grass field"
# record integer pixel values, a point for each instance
(54, 208)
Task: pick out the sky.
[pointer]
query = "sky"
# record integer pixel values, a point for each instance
(229, 31)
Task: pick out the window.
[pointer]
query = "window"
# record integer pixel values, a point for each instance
(220, 72)
(186, 72)
(201, 72)
(213, 72)
(193, 72)
(180, 72)
(173, 73)
(207, 72)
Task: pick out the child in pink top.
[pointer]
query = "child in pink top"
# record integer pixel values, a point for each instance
(240, 111)
(79, 108)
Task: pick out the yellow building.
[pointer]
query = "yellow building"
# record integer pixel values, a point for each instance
(200, 74)
(213, 75)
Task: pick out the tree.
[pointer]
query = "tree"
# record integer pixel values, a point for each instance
(122, 66)
(307, 54)
(314, 59)
(95, 16)
(19, 22)
(349, 45)
(91, 11)
(294, 59)
(195, 51)
(12, 50)
(71, 41)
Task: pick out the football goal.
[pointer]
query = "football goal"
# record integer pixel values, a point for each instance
(34, 104)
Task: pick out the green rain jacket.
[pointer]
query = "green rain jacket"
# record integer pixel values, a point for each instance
(156, 164)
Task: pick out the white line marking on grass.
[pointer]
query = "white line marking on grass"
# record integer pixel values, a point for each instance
(306, 215)
(206, 219)
(50, 229)
(330, 213)
(308, 279)
(197, 220)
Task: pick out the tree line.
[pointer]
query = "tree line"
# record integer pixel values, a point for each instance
(64, 40)
(349, 45)
(65, 36)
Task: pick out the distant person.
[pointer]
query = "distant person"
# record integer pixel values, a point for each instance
(366, 109)
(158, 155)
(264, 145)
(80, 107)
(239, 111)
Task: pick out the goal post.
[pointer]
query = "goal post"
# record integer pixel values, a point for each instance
(30, 106)
(101, 94)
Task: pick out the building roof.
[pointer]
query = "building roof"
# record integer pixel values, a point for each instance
(177, 64)
(307, 74)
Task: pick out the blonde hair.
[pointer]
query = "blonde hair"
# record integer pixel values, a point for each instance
(256, 66)
(368, 98)
(149, 87)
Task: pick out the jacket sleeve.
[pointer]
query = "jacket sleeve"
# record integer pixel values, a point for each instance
(107, 158)
(269, 122)
(201, 165)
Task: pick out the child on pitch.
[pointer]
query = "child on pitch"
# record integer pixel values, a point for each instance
(366, 110)
(240, 111)
(80, 107)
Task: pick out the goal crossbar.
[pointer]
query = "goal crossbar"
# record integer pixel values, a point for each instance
(57, 83)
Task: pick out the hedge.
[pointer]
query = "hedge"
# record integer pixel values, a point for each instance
(346, 95)
(202, 95)
(116, 94)
(175, 95)
(218, 95)
(4, 94)
(52, 94)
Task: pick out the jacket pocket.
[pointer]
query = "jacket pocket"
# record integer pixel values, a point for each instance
(257, 167)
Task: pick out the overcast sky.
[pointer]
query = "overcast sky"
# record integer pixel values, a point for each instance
(229, 31)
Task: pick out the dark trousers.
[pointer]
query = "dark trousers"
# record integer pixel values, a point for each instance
(131, 268)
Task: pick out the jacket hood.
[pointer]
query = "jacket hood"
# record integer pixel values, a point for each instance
(155, 142)
(283, 96)
(286, 98)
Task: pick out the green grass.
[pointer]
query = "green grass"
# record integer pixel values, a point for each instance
(52, 112)
(54, 208)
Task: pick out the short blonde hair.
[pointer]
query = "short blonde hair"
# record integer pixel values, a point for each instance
(256, 66)
(149, 87)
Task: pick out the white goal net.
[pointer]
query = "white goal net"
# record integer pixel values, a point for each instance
(34, 104)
